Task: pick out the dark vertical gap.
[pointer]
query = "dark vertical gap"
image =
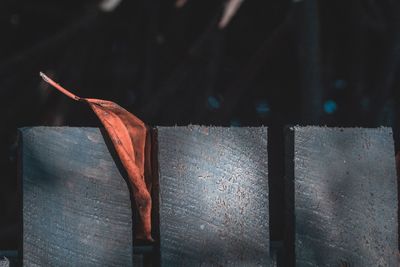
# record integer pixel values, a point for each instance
(289, 244)
(276, 189)
(398, 196)
(155, 196)
(397, 157)
(20, 221)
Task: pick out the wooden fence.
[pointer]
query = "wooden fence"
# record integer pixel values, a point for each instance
(210, 198)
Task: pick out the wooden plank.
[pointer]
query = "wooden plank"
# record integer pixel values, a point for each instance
(4, 262)
(9, 258)
(213, 185)
(76, 203)
(345, 196)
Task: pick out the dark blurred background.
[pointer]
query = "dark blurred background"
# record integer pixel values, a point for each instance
(277, 62)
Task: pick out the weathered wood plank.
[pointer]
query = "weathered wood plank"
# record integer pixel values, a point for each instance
(4, 262)
(213, 184)
(9, 258)
(76, 204)
(345, 196)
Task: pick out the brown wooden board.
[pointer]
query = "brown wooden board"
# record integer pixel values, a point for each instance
(213, 203)
(76, 203)
(344, 197)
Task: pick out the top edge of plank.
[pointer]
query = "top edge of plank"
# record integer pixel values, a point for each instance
(313, 127)
(24, 130)
(55, 127)
(193, 126)
(291, 127)
(190, 126)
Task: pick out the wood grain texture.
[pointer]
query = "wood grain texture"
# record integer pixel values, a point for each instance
(9, 258)
(4, 262)
(345, 196)
(76, 203)
(213, 184)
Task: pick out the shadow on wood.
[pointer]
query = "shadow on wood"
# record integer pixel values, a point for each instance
(76, 203)
(213, 196)
(342, 188)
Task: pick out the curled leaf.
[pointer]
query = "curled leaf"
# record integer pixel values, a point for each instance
(128, 135)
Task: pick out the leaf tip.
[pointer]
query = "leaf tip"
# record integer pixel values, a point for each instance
(59, 87)
(44, 77)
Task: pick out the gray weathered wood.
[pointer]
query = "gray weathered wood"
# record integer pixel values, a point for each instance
(76, 204)
(213, 184)
(345, 196)
(9, 258)
(4, 262)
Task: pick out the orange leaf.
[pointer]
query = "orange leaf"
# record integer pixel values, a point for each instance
(128, 135)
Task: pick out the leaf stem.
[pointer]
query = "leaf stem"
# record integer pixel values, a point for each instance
(59, 87)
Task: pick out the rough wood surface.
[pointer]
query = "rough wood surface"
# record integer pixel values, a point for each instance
(345, 196)
(213, 196)
(76, 204)
(4, 262)
(9, 258)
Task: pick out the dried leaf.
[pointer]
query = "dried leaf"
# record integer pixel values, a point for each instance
(128, 135)
(231, 7)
